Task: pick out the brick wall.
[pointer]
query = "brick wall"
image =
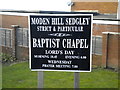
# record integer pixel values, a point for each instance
(110, 51)
(7, 50)
(96, 60)
(22, 53)
(99, 28)
(8, 20)
(102, 7)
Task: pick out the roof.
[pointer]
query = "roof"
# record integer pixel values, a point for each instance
(106, 17)
(96, 15)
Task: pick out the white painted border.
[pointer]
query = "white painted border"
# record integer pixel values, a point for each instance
(29, 42)
(114, 33)
(15, 13)
(94, 21)
(91, 42)
(60, 70)
(60, 15)
(106, 22)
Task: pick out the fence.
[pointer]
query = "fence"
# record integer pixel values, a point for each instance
(97, 45)
(6, 37)
(15, 45)
(22, 36)
(23, 40)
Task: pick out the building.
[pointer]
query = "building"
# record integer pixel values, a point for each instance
(106, 32)
(100, 6)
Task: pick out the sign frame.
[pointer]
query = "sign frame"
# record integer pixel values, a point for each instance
(60, 15)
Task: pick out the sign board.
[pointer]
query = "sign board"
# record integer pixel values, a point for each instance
(60, 42)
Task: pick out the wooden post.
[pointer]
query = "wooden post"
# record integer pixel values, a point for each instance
(76, 80)
(40, 80)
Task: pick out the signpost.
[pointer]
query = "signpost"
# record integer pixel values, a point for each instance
(60, 42)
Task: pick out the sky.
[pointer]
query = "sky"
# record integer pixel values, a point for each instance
(48, 5)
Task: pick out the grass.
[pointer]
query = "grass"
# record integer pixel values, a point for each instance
(0, 75)
(20, 76)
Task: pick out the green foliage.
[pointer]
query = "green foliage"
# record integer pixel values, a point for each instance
(6, 58)
(20, 76)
